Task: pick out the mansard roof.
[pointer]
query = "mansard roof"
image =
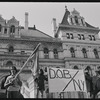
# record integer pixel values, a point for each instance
(75, 12)
(31, 32)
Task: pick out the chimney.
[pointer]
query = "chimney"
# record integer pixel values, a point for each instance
(26, 20)
(54, 26)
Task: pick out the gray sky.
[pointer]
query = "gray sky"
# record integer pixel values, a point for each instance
(41, 13)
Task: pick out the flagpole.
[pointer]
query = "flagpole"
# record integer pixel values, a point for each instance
(28, 60)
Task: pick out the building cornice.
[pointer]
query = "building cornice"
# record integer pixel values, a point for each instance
(77, 27)
(33, 39)
(82, 59)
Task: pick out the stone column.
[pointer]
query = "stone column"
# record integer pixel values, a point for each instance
(60, 55)
(67, 64)
(51, 55)
(3, 30)
(90, 53)
(41, 54)
(79, 52)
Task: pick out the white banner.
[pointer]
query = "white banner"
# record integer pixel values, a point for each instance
(63, 80)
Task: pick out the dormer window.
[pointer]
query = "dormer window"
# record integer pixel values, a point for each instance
(12, 29)
(76, 19)
(5, 31)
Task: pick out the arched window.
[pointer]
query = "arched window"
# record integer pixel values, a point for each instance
(72, 52)
(12, 29)
(11, 49)
(55, 52)
(84, 53)
(46, 53)
(75, 67)
(0, 28)
(96, 53)
(76, 19)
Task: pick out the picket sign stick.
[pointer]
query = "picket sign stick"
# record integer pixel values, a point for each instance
(68, 83)
(27, 61)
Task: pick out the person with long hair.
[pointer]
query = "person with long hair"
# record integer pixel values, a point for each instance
(13, 86)
(40, 83)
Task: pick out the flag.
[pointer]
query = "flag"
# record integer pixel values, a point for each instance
(35, 66)
(34, 58)
(30, 57)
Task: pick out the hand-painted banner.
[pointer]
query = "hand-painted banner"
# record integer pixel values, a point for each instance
(63, 80)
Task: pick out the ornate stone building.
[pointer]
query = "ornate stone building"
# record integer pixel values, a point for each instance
(80, 41)
(75, 44)
(18, 42)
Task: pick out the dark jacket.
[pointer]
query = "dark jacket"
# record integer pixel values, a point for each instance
(88, 82)
(40, 82)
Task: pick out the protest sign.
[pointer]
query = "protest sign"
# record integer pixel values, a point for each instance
(64, 80)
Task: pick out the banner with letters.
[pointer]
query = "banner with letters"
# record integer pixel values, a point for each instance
(64, 80)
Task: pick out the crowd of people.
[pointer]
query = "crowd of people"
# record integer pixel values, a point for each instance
(13, 85)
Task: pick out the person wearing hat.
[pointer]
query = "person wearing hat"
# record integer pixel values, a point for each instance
(13, 86)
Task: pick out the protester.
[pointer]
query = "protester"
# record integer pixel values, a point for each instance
(13, 86)
(3, 90)
(40, 83)
(96, 83)
(88, 81)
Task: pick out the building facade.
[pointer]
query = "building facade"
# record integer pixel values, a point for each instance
(18, 42)
(75, 44)
(80, 41)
